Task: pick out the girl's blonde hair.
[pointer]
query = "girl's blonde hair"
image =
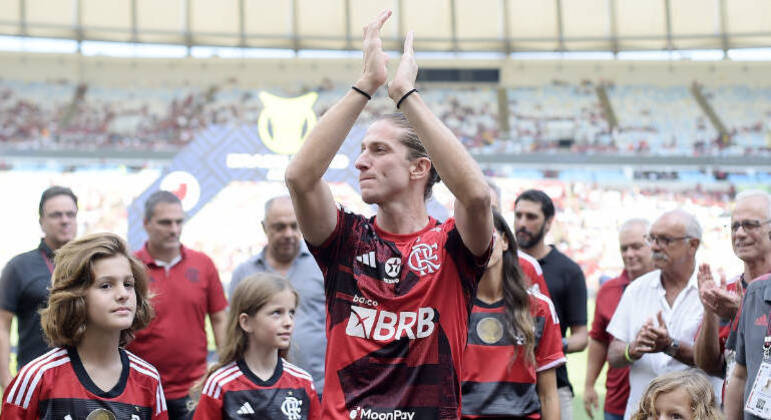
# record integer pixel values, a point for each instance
(251, 294)
(703, 401)
(65, 320)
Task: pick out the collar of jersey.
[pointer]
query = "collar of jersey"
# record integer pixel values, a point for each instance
(481, 304)
(397, 237)
(254, 378)
(86, 381)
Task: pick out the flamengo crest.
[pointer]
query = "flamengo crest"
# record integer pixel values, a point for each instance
(291, 408)
(424, 259)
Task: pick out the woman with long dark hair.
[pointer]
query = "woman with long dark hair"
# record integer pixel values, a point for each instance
(514, 342)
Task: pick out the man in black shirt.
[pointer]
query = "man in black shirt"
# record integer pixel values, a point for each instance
(533, 216)
(26, 278)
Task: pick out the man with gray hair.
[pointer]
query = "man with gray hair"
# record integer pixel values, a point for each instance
(287, 254)
(659, 313)
(751, 240)
(636, 254)
(186, 287)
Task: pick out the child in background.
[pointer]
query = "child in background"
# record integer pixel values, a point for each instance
(685, 394)
(97, 302)
(514, 342)
(252, 379)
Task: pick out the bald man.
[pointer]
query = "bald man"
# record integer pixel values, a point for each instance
(659, 313)
(286, 254)
(637, 257)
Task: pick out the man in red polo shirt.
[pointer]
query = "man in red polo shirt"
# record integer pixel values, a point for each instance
(187, 287)
(636, 254)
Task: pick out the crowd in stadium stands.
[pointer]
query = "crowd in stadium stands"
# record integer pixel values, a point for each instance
(558, 116)
(67, 116)
(666, 119)
(746, 112)
(541, 116)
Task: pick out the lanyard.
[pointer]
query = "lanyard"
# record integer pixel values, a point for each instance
(47, 261)
(767, 339)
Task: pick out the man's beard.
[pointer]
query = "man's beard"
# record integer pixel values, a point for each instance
(527, 244)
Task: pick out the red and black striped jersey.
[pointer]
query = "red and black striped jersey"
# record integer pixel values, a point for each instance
(493, 386)
(55, 386)
(235, 392)
(397, 312)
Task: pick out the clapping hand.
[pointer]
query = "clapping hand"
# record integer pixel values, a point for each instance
(375, 72)
(716, 298)
(406, 73)
(651, 338)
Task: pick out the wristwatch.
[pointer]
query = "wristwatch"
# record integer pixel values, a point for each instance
(673, 347)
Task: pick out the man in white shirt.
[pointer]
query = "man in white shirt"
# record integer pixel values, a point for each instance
(659, 313)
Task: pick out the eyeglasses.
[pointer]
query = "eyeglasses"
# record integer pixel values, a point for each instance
(663, 240)
(748, 225)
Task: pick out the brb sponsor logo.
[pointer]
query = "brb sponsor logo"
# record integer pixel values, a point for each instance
(369, 414)
(377, 325)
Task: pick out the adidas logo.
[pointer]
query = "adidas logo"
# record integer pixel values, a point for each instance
(245, 409)
(367, 259)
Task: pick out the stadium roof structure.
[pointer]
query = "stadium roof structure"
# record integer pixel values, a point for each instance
(501, 26)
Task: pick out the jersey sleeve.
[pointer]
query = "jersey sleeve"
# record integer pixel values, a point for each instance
(531, 268)
(539, 281)
(216, 300)
(20, 399)
(160, 411)
(208, 408)
(548, 350)
(339, 244)
(314, 412)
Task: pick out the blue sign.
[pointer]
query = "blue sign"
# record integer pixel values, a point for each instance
(219, 155)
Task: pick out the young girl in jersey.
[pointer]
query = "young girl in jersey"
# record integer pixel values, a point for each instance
(514, 342)
(98, 299)
(685, 394)
(252, 379)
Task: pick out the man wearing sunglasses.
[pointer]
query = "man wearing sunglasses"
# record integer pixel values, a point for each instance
(659, 313)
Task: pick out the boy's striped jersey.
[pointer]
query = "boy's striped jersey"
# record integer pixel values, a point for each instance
(56, 386)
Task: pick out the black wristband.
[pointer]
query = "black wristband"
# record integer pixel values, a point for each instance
(405, 97)
(565, 345)
(367, 95)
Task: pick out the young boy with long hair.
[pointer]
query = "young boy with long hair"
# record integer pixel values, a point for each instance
(98, 300)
